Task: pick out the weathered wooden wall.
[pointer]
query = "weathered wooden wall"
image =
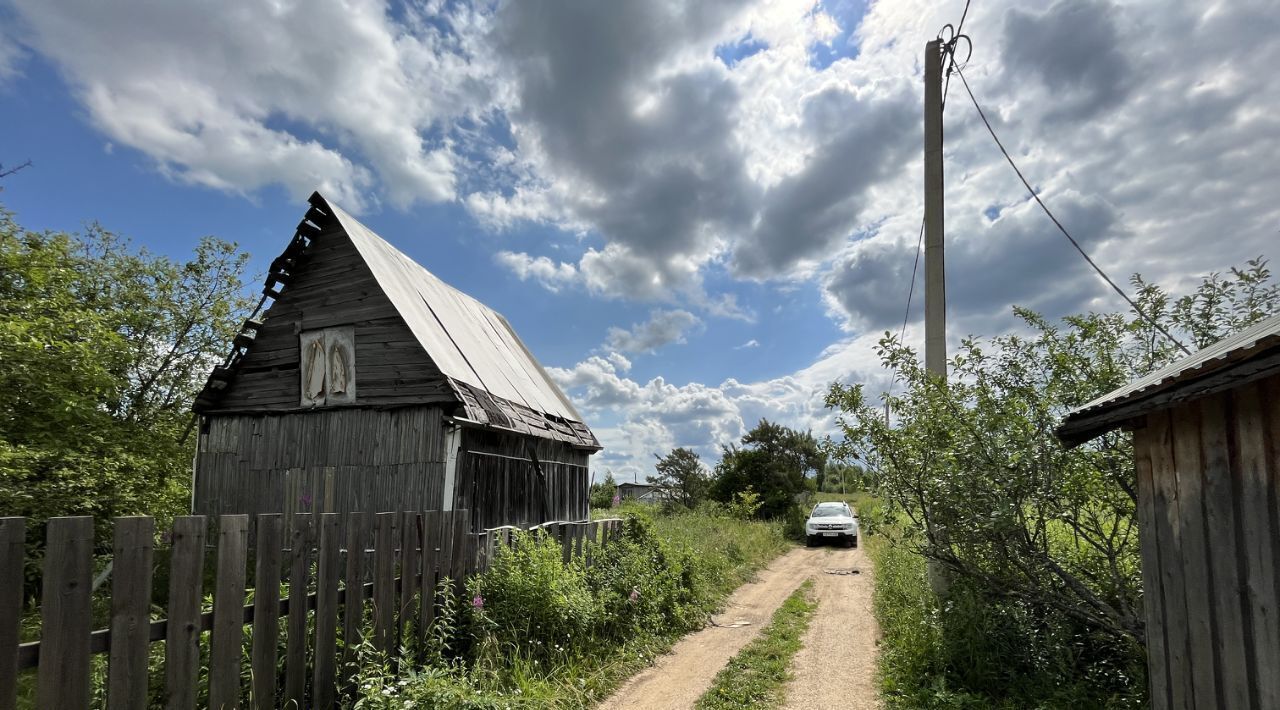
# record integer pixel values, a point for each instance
(335, 287)
(497, 480)
(1209, 510)
(324, 461)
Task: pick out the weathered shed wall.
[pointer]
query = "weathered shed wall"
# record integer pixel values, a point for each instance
(1208, 487)
(323, 461)
(334, 287)
(496, 479)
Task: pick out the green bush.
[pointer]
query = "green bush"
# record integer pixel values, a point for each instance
(981, 652)
(529, 594)
(535, 632)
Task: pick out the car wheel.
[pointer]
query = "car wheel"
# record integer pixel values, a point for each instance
(810, 541)
(854, 541)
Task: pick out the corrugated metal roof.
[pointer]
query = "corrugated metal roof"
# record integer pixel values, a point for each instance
(1228, 352)
(469, 342)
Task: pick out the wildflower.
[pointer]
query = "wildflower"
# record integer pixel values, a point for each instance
(635, 594)
(477, 602)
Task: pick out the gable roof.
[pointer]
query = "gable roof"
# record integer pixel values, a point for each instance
(1248, 355)
(494, 375)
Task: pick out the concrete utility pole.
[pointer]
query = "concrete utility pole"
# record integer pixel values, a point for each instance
(935, 289)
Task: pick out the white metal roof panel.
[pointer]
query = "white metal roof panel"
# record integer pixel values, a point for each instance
(461, 334)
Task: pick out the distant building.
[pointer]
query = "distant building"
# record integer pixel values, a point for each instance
(643, 492)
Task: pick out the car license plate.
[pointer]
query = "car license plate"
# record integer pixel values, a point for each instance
(828, 534)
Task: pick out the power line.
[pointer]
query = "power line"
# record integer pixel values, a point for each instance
(911, 292)
(1137, 309)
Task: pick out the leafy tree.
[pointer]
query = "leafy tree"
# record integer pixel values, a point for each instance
(774, 461)
(974, 465)
(102, 350)
(684, 477)
(601, 494)
(839, 476)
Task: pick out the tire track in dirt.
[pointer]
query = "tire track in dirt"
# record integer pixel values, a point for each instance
(678, 678)
(836, 667)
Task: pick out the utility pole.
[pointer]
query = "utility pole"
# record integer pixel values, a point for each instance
(935, 289)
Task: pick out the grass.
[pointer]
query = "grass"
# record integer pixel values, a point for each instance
(716, 553)
(755, 677)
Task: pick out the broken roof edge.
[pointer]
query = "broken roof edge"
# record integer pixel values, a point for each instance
(1251, 354)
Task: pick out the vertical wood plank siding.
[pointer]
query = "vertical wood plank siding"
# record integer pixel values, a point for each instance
(346, 460)
(497, 480)
(326, 461)
(1208, 479)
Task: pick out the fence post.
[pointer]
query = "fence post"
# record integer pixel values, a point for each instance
(295, 651)
(324, 682)
(13, 537)
(182, 632)
(266, 609)
(131, 560)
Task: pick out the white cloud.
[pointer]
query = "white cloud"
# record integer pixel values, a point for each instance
(238, 96)
(664, 327)
(550, 274)
(635, 420)
(10, 54)
(753, 343)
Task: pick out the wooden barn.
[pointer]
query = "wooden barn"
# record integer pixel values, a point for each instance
(368, 384)
(1206, 435)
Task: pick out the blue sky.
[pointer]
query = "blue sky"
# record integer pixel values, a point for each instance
(695, 214)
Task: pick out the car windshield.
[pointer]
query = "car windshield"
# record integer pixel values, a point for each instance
(827, 512)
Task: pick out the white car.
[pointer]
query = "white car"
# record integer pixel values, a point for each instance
(832, 521)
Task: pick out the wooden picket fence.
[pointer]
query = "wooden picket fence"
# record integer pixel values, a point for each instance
(403, 557)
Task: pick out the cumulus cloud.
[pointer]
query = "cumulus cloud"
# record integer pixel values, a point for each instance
(10, 54)
(635, 420)
(550, 274)
(325, 94)
(664, 327)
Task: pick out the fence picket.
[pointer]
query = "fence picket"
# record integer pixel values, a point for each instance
(182, 632)
(266, 610)
(461, 545)
(384, 580)
(323, 684)
(353, 604)
(63, 676)
(409, 573)
(132, 556)
(430, 560)
(13, 536)
(226, 642)
(295, 651)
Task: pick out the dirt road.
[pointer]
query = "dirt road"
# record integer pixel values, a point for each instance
(843, 619)
(836, 668)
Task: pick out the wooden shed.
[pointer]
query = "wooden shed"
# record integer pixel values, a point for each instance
(1206, 435)
(368, 384)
